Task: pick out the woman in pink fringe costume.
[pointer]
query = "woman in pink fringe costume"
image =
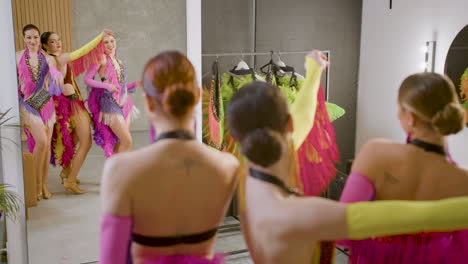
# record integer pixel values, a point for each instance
(73, 124)
(421, 169)
(109, 103)
(39, 80)
(162, 204)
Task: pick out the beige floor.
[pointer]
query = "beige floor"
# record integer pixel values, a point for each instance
(64, 229)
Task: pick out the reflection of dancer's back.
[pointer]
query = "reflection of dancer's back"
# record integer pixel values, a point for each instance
(174, 193)
(73, 123)
(109, 102)
(419, 170)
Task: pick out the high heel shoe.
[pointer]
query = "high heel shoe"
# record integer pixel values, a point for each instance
(64, 176)
(45, 193)
(39, 191)
(73, 186)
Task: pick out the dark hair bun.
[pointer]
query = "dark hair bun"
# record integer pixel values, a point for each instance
(449, 120)
(178, 100)
(261, 147)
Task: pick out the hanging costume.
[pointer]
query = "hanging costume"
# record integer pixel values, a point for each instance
(37, 86)
(432, 247)
(104, 105)
(464, 93)
(63, 139)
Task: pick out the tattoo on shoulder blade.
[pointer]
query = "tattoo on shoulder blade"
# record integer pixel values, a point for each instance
(188, 163)
(390, 179)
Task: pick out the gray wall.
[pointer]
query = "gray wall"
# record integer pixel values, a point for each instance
(226, 28)
(143, 28)
(294, 25)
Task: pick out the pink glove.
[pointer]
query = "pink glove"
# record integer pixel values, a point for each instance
(115, 239)
(358, 188)
(89, 79)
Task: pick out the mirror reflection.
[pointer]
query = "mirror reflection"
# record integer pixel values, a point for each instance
(79, 64)
(456, 66)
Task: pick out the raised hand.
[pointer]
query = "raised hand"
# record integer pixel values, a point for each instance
(113, 89)
(320, 58)
(108, 32)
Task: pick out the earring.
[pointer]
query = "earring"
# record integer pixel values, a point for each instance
(408, 134)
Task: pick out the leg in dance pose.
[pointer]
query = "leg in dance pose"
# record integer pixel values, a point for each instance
(45, 163)
(41, 148)
(121, 129)
(83, 133)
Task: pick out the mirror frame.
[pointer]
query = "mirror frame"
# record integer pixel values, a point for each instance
(11, 155)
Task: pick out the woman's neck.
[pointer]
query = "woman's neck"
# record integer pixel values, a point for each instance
(56, 54)
(33, 50)
(429, 137)
(281, 168)
(164, 126)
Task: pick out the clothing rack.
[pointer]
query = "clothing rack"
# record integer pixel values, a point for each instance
(279, 53)
(326, 52)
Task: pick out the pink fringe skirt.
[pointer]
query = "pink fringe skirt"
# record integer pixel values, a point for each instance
(440, 248)
(63, 135)
(182, 259)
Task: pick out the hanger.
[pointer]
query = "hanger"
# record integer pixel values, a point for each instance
(242, 65)
(279, 62)
(283, 68)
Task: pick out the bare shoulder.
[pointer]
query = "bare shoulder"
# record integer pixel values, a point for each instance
(379, 148)
(116, 168)
(19, 54)
(225, 159)
(103, 60)
(315, 218)
(463, 170)
(375, 156)
(50, 60)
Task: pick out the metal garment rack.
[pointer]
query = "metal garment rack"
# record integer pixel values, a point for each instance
(278, 53)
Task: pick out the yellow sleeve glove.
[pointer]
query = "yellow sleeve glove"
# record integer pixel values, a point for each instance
(304, 107)
(385, 218)
(85, 49)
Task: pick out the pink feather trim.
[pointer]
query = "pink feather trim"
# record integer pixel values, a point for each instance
(441, 248)
(319, 153)
(63, 107)
(182, 259)
(80, 65)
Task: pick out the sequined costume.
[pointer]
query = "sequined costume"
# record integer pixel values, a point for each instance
(36, 88)
(427, 247)
(64, 141)
(104, 105)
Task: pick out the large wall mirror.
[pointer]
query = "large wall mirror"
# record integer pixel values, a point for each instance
(61, 192)
(456, 65)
